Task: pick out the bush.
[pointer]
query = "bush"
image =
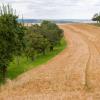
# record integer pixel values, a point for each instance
(16, 40)
(10, 34)
(39, 38)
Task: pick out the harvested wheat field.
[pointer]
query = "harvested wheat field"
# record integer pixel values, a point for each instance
(74, 74)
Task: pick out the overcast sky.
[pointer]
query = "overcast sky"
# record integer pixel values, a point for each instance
(55, 9)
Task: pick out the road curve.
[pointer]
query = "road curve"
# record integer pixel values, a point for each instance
(74, 74)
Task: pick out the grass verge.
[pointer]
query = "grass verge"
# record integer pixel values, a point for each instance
(24, 65)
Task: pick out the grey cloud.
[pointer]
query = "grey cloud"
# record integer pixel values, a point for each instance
(55, 8)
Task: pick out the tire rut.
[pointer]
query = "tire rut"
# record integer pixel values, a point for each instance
(89, 42)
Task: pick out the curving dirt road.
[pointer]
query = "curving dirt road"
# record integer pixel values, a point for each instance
(74, 74)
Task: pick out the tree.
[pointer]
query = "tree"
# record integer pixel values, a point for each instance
(20, 30)
(96, 17)
(9, 35)
(35, 42)
(52, 32)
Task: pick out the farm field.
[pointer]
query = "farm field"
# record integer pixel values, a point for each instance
(71, 75)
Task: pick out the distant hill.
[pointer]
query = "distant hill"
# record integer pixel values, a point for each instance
(56, 20)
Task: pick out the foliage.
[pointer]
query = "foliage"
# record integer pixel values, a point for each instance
(96, 17)
(17, 40)
(52, 32)
(39, 38)
(35, 42)
(14, 70)
(10, 34)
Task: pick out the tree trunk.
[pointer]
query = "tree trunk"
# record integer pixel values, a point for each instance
(43, 51)
(51, 48)
(18, 61)
(4, 70)
(27, 58)
(32, 58)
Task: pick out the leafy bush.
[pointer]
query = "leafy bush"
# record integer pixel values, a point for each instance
(39, 38)
(16, 40)
(10, 33)
(96, 17)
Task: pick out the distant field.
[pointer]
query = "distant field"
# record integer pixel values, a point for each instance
(24, 65)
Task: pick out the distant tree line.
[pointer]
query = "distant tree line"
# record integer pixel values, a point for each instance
(16, 39)
(96, 17)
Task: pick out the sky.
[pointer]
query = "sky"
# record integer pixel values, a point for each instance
(55, 9)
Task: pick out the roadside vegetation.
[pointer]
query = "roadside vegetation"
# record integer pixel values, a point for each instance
(24, 65)
(96, 18)
(22, 48)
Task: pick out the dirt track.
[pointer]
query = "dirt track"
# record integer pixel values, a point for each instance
(72, 75)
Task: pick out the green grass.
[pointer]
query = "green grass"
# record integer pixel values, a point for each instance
(24, 65)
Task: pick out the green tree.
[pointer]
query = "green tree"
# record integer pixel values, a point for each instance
(96, 17)
(19, 49)
(52, 32)
(9, 36)
(35, 42)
